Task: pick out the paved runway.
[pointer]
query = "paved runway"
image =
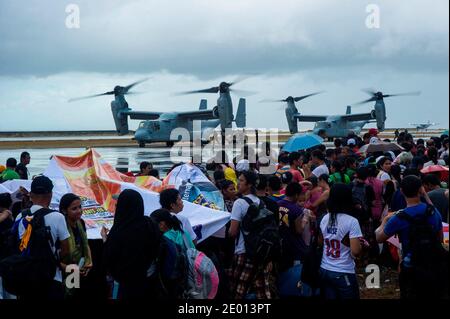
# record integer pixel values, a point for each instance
(122, 158)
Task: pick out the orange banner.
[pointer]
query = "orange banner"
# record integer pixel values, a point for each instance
(91, 176)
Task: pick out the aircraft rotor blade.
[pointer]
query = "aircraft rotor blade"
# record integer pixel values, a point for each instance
(271, 101)
(415, 93)
(369, 91)
(299, 98)
(90, 96)
(128, 87)
(239, 79)
(214, 89)
(243, 93)
(372, 99)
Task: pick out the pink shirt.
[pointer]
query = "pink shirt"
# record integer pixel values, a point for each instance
(296, 175)
(377, 208)
(312, 199)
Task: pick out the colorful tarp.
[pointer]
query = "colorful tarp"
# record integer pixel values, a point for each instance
(91, 177)
(194, 186)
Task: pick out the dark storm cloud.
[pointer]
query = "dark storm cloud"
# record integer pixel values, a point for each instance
(211, 38)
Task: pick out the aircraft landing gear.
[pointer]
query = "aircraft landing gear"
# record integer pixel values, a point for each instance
(141, 144)
(169, 144)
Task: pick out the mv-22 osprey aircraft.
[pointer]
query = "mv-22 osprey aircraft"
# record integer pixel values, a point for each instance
(339, 125)
(157, 126)
(423, 126)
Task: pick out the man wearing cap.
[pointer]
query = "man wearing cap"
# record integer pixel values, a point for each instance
(373, 132)
(41, 196)
(374, 140)
(351, 142)
(243, 165)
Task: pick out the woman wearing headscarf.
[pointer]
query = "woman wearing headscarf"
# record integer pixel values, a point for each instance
(131, 247)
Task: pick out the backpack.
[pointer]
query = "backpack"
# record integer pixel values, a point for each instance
(311, 264)
(32, 264)
(261, 233)
(185, 273)
(202, 278)
(429, 259)
(360, 198)
(5, 230)
(171, 269)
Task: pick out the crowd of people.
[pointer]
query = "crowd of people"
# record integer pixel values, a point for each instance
(301, 231)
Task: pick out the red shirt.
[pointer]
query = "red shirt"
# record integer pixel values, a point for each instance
(296, 175)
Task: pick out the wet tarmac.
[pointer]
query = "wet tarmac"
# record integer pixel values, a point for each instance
(122, 158)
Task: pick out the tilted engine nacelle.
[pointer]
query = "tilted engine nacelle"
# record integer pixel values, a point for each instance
(380, 115)
(120, 120)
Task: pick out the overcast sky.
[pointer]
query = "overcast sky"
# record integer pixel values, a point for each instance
(290, 47)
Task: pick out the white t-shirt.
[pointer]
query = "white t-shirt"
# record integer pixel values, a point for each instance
(58, 229)
(430, 163)
(337, 256)
(238, 212)
(383, 176)
(186, 225)
(319, 170)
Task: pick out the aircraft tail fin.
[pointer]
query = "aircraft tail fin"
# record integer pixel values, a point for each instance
(240, 114)
(203, 104)
(349, 110)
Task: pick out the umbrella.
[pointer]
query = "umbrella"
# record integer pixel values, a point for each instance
(380, 147)
(302, 142)
(443, 170)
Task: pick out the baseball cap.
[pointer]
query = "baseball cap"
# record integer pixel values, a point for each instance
(373, 131)
(374, 140)
(41, 185)
(243, 165)
(351, 141)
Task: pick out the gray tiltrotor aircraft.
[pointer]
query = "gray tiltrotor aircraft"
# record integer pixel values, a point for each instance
(423, 126)
(158, 126)
(340, 125)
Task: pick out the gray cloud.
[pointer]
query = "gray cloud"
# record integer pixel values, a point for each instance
(293, 46)
(209, 38)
